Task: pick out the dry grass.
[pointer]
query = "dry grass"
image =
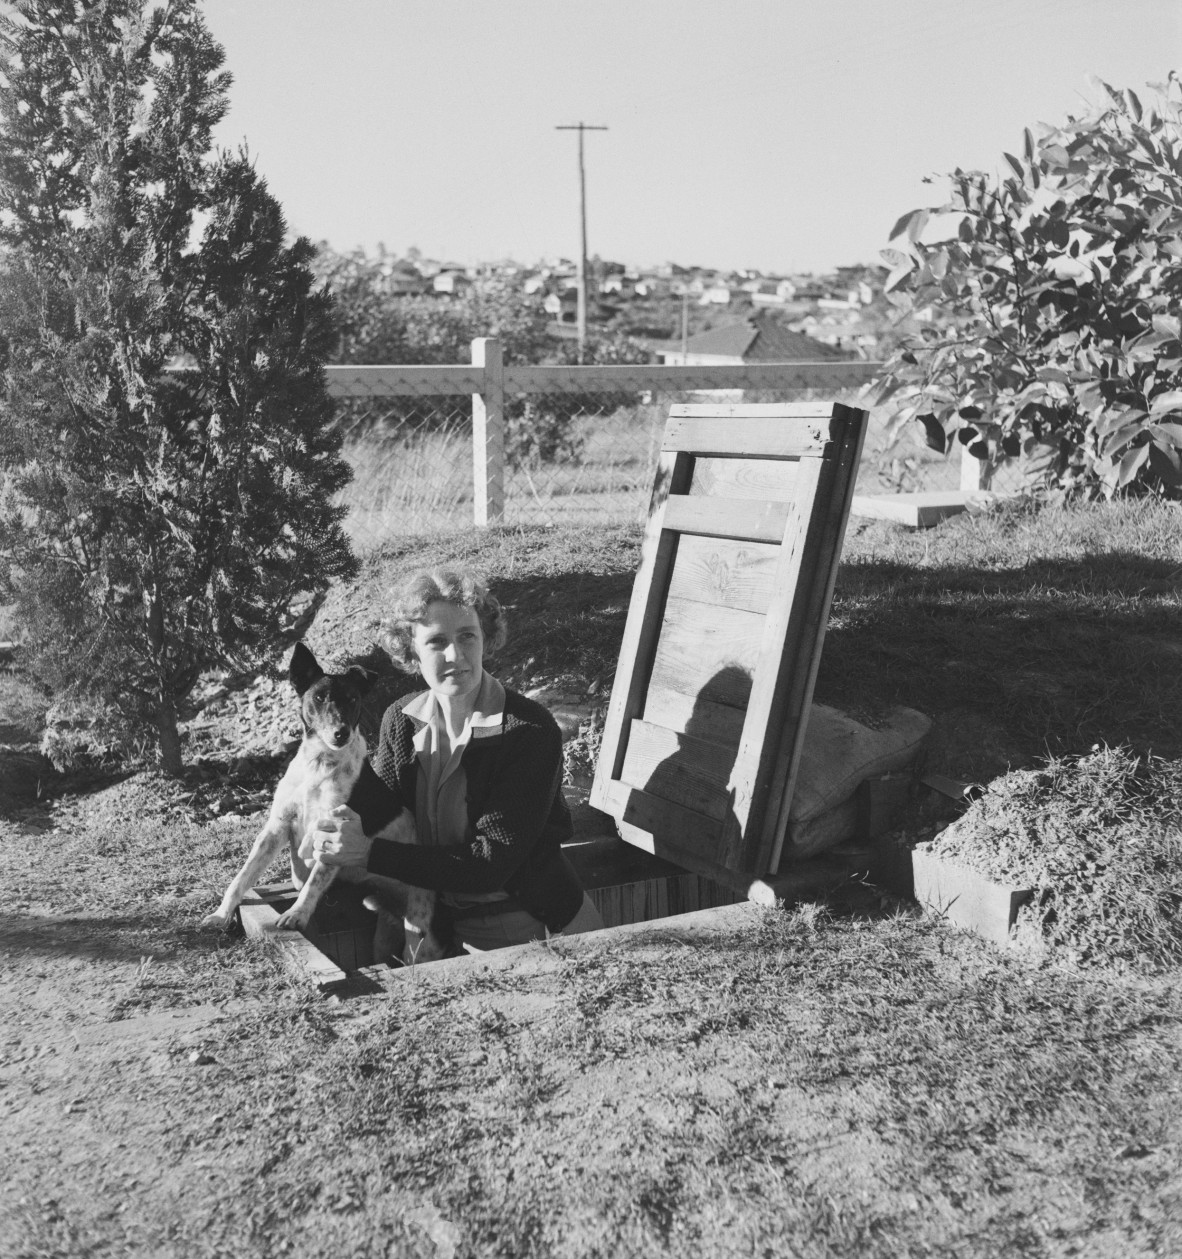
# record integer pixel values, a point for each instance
(810, 1084)
(419, 481)
(818, 1084)
(1099, 839)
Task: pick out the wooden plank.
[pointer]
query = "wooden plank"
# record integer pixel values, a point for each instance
(259, 916)
(679, 768)
(670, 378)
(819, 411)
(705, 719)
(765, 436)
(725, 572)
(745, 478)
(707, 652)
(675, 834)
(838, 493)
(372, 381)
(749, 520)
(921, 510)
(643, 624)
(966, 898)
(751, 777)
(447, 380)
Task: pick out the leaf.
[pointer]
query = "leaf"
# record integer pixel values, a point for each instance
(966, 434)
(979, 450)
(1167, 325)
(893, 257)
(1170, 453)
(904, 224)
(1171, 400)
(1028, 144)
(936, 438)
(897, 278)
(1015, 164)
(1119, 438)
(1112, 94)
(1172, 432)
(1130, 465)
(1133, 103)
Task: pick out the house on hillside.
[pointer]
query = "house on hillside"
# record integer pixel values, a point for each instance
(404, 279)
(451, 282)
(564, 307)
(759, 339)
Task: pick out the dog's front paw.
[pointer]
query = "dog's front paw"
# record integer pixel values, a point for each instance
(217, 921)
(293, 920)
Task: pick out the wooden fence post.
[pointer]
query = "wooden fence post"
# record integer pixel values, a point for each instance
(975, 474)
(488, 434)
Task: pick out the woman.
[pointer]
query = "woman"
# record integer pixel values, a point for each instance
(480, 768)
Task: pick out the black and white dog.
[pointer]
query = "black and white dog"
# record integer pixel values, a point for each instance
(330, 768)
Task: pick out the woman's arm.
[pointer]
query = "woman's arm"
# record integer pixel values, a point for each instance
(515, 793)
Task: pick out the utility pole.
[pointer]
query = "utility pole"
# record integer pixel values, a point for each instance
(581, 316)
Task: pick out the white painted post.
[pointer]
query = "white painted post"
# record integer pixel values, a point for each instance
(975, 474)
(488, 434)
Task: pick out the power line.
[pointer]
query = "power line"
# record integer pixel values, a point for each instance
(581, 315)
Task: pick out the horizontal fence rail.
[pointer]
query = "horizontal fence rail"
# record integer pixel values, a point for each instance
(486, 443)
(399, 382)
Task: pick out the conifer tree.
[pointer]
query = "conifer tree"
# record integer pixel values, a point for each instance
(167, 457)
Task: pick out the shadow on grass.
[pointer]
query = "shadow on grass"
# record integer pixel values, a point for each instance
(1057, 656)
(1014, 662)
(99, 939)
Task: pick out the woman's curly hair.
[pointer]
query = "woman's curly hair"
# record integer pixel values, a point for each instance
(460, 586)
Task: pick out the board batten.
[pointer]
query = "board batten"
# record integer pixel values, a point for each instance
(724, 572)
(694, 714)
(643, 623)
(745, 478)
(837, 496)
(746, 519)
(678, 767)
(765, 437)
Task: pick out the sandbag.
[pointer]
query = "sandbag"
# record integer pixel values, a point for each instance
(838, 755)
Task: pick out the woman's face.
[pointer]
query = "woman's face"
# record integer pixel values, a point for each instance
(449, 645)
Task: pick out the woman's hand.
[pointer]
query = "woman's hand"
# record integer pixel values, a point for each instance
(339, 840)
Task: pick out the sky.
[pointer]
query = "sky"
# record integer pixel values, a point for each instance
(776, 135)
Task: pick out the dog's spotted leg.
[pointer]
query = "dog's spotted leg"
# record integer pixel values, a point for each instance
(270, 843)
(300, 914)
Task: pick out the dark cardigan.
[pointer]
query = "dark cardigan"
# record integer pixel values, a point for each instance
(517, 814)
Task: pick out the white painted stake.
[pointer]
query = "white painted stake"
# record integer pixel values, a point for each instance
(488, 434)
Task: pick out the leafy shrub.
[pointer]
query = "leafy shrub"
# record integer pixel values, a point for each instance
(1099, 839)
(1052, 297)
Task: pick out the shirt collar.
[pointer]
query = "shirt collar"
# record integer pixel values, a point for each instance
(487, 717)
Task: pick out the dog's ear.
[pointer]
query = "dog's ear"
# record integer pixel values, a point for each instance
(360, 678)
(303, 670)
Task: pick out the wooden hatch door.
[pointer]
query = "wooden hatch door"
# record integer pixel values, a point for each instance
(723, 636)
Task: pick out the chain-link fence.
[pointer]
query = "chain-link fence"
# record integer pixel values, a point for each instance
(438, 447)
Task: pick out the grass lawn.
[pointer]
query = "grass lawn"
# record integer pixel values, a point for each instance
(850, 1080)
